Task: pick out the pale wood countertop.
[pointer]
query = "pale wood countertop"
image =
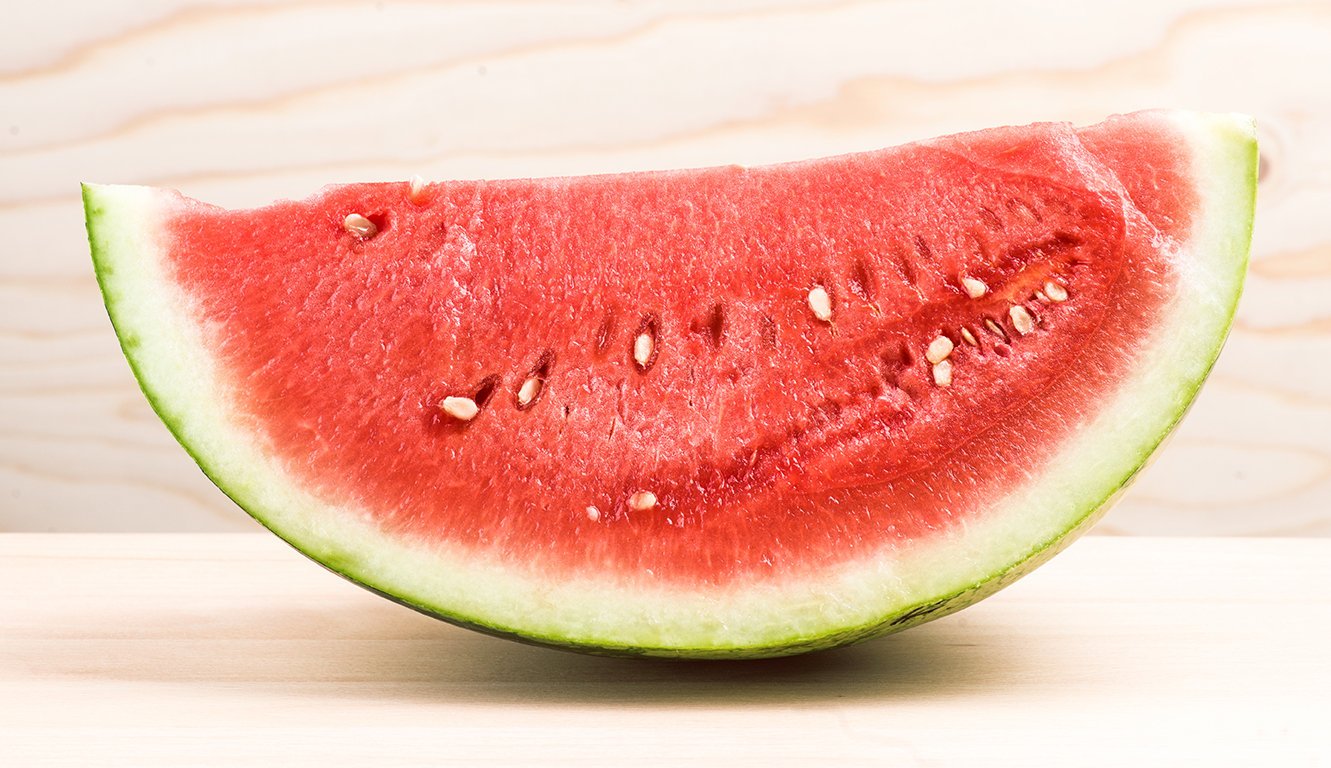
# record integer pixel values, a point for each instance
(215, 649)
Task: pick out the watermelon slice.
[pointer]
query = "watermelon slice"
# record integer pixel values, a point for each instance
(719, 412)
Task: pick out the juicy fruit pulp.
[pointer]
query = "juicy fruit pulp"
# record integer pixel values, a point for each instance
(675, 350)
(696, 412)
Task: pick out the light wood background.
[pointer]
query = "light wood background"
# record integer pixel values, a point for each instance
(242, 102)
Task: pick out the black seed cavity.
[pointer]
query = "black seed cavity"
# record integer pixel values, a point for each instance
(826, 412)
(991, 219)
(544, 364)
(1058, 242)
(862, 281)
(486, 389)
(1059, 205)
(978, 244)
(907, 268)
(1055, 244)
(922, 248)
(1019, 207)
(605, 334)
(896, 358)
(712, 325)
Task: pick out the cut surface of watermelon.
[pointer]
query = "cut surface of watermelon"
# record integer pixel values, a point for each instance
(724, 411)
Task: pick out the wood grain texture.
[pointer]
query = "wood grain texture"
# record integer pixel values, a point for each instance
(242, 102)
(205, 649)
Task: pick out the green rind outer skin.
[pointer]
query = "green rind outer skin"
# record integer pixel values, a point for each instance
(1244, 158)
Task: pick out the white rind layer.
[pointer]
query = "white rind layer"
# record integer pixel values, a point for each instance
(910, 584)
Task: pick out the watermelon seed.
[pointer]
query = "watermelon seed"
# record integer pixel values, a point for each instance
(460, 408)
(643, 347)
(642, 501)
(534, 383)
(821, 303)
(1040, 297)
(974, 288)
(417, 189)
(593, 513)
(995, 329)
(1021, 319)
(938, 349)
(1055, 292)
(968, 337)
(360, 226)
(943, 373)
(644, 344)
(527, 392)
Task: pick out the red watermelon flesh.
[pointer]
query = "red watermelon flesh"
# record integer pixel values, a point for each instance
(699, 381)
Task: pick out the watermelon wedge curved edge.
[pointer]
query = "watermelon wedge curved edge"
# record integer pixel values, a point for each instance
(134, 233)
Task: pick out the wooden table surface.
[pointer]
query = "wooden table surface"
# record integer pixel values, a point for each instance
(231, 649)
(242, 101)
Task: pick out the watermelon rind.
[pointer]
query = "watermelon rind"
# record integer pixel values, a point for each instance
(862, 598)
